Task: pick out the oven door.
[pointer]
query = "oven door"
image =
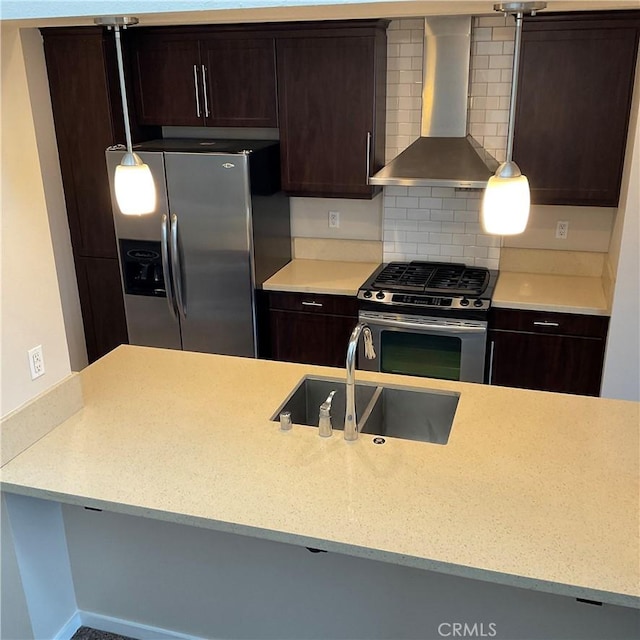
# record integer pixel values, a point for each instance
(443, 348)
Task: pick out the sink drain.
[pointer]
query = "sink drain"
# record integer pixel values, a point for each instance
(379, 441)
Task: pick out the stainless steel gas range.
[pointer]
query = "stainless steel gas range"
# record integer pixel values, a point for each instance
(428, 319)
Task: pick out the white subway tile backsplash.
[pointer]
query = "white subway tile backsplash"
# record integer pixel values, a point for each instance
(421, 192)
(411, 50)
(480, 62)
(499, 89)
(429, 249)
(440, 238)
(406, 247)
(463, 239)
(393, 235)
(443, 192)
(408, 202)
(442, 223)
(407, 225)
(431, 203)
(488, 49)
(452, 249)
(466, 216)
(455, 204)
(396, 191)
(419, 214)
(476, 252)
(442, 216)
(500, 62)
(504, 33)
(482, 34)
(397, 214)
(432, 226)
(453, 227)
(490, 21)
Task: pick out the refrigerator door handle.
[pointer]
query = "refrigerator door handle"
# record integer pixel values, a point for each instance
(195, 86)
(166, 267)
(176, 266)
(205, 90)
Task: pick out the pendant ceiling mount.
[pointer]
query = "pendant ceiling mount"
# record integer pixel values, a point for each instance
(506, 201)
(133, 183)
(116, 21)
(520, 7)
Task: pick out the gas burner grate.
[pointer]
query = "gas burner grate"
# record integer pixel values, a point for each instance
(433, 277)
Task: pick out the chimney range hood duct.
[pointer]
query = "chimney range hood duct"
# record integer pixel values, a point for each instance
(444, 156)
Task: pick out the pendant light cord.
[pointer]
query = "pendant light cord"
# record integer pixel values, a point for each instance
(123, 91)
(514, 86)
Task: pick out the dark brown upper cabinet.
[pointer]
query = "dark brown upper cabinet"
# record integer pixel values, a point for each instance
(573, 105)
(199, 77)
(88, 118)
(331, 95)
(87, 113)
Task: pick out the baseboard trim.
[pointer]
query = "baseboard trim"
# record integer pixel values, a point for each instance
(71, 626)
(118, 626)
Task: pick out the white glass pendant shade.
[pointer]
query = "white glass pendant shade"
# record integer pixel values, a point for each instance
(505, 205)
(134, 187)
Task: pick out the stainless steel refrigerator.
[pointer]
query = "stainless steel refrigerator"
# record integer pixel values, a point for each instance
(192, 269)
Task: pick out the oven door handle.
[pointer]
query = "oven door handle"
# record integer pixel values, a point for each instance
(431, 327)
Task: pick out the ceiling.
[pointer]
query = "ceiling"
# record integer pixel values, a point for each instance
(162, 12)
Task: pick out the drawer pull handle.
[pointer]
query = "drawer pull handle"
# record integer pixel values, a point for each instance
(547, 324)
(311, 304)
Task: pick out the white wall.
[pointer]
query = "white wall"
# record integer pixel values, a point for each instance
(38, 84)
(14, 615)
(31, 309)
(219, 585)
(621, 377)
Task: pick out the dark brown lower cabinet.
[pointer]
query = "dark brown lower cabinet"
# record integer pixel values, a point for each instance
(311, 329)
(558, 352)
(103, 315)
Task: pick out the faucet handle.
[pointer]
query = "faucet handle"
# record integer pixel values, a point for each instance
(325, 428)
(369, 351)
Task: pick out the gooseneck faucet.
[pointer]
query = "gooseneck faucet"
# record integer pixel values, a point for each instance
(350, 420)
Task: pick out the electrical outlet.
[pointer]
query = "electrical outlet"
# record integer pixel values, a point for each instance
(334, 219)
(36, 362)
(562, 230)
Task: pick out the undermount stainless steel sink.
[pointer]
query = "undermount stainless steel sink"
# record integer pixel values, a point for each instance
(305, 400)
(411, 414)
(399, 412)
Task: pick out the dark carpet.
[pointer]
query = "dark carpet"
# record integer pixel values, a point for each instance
(87, 633)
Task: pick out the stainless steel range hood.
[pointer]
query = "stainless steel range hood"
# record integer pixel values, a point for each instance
(444, 156)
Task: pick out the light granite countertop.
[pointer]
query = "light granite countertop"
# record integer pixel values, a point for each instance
(550, 292)
(321, 276)
(533, 489)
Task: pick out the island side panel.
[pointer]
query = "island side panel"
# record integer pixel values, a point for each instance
(219, 585)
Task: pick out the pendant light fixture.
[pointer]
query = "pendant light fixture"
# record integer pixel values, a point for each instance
(133, 183)
(506, 201)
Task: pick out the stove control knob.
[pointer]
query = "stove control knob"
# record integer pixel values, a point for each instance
(477, 303)
(367, 294)
(380, 295)
(464, 302)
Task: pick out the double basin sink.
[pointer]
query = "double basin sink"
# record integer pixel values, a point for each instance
(398, 412)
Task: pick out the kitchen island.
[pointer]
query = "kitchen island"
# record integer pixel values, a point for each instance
(533, 490)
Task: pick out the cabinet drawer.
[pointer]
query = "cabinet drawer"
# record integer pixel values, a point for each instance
(314, 303)
(547, 322)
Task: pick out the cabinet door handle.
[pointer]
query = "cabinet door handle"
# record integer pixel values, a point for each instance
(311, 304)
(204, 92)
(195, 86)
(368, 155)
(546, 324)
(492, 351)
